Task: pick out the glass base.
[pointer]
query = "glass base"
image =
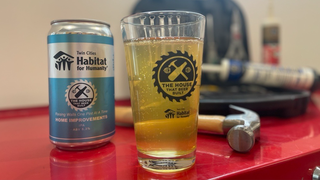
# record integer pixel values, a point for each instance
(167, 165)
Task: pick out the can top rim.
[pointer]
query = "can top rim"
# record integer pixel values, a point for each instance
(80, 21)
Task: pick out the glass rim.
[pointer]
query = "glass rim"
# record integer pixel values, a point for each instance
(166, 12)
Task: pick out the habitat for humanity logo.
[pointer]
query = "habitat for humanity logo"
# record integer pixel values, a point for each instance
(169, 113)
(63, 61)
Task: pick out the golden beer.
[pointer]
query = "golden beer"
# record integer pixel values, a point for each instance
(164, 76)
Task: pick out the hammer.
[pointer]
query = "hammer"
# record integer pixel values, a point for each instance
(241, 129)
(177, 71)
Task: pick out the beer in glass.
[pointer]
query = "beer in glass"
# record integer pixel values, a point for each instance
(163, 57)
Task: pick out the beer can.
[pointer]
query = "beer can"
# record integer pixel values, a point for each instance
(81, 83)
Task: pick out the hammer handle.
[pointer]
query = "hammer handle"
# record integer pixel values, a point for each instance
(123, 115)
(210, 123)
(206, 123)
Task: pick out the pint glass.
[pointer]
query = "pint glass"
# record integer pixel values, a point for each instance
(163, 57)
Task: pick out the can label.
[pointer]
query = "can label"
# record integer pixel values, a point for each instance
(81, 87)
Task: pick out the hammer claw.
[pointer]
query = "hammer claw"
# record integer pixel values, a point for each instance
(238, 108)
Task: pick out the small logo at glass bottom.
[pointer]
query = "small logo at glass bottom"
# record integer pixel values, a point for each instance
(169, 113)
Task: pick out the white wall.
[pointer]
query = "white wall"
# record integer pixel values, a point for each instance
(24, 27)
(23, 47)
(300, 30)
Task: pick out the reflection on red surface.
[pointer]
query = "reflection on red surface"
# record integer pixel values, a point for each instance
(143, 174)
(97, 163)
(287, 149)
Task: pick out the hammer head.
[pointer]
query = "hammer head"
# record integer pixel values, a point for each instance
(172, 63)
(242, 129)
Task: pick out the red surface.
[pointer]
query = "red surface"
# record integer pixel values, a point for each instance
(288, 149)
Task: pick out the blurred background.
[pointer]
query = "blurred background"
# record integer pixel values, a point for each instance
(24, 67)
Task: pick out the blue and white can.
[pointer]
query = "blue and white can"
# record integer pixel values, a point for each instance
(81, 83)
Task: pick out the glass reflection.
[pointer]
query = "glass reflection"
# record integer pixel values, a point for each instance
(188, 174)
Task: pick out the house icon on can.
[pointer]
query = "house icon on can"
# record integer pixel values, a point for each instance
(63, 61)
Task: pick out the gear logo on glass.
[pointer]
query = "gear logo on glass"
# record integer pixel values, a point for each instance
(175, 75)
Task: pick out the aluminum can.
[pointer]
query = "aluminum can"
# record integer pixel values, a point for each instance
(81, 83)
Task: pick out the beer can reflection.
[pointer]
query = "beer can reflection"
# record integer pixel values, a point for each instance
(97, 163)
